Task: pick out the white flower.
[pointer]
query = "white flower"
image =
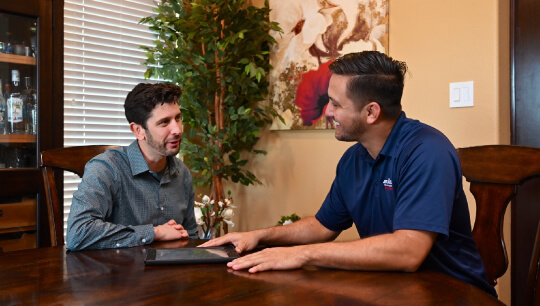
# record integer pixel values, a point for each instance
(198, 216)
(223, 213)
(227, 213)
(287, 222)
(303, 24)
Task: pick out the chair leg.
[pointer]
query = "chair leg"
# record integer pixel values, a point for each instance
(533, 284)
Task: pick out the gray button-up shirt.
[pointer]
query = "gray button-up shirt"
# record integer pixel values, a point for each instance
(119, 201)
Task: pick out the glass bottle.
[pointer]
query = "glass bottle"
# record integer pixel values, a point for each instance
(9, 48)
(2, 111)
(15, 106)
(30, 96)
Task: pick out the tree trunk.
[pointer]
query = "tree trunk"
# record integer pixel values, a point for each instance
(218, 195)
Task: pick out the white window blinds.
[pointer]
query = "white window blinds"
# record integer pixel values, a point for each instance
(102, 63)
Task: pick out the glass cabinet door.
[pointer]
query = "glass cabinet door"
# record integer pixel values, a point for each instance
(18, 102)
(31, 115)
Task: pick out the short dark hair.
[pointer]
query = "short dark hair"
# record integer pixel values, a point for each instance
(144, 97)
(376, 77)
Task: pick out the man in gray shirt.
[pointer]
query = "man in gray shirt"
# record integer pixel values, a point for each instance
(141, 193)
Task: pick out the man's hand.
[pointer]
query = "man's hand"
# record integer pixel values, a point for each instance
(169, 231)
(242, 241)
(287, 258)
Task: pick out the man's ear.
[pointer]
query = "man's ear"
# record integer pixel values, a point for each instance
(138, 130)
(373, 112)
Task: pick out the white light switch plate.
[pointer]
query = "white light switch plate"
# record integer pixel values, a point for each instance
(462, 94)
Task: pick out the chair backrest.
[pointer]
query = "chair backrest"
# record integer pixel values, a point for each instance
(71, 159)
(495, 172)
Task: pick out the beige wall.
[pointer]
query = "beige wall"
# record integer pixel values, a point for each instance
(442, 42)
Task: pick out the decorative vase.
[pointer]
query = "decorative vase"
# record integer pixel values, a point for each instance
(209, 234)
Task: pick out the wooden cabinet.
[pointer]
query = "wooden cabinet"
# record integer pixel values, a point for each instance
(18, 225)
(33, 29)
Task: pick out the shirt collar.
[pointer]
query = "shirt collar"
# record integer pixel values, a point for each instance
(390, 145)
(136, 159)
(171, 170)
(139, 165)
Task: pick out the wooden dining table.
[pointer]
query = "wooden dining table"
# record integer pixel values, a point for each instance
(52, 275)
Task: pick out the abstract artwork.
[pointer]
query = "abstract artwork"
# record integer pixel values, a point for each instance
(316, 32)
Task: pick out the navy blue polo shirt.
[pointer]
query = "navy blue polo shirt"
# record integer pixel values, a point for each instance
(414, 183)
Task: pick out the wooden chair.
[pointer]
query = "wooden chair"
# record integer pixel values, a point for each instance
(495, 172)
(71, 159)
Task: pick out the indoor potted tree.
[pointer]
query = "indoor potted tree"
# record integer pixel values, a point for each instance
(217, 51)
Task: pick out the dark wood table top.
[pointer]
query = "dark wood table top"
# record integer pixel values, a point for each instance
(119, 276)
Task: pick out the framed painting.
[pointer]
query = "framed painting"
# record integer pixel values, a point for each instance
(316, 32)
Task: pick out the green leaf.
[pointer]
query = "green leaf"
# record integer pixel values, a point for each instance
(252, 69)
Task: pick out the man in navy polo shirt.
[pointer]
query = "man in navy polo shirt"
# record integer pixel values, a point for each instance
(400, 184)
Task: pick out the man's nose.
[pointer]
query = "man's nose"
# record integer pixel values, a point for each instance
(329, 112)
(177, 127)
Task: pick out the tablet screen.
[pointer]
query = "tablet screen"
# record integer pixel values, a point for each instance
(190, 253)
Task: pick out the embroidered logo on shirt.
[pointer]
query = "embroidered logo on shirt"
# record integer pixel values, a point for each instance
(387, 184)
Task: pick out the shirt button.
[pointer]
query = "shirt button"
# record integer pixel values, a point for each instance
(143, 240)
(118, 244)
(162, 208)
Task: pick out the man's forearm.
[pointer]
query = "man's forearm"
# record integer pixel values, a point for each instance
(103, 235)
(400, 251)
(305, 231)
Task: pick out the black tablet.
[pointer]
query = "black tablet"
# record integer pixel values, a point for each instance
(185, 256)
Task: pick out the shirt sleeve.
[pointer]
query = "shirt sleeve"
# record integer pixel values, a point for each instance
(428, 183)
(334, 214)
(92, 204)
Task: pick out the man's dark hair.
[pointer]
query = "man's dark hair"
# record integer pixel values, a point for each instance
(376, 77)
(144, 97)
